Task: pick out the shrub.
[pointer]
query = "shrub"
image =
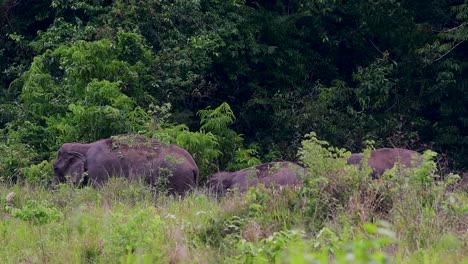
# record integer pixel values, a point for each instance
(40, 174)
(19, 156)
(138, 233)
(267, 250)
(346, 246)
(330, 183)
(38, 213)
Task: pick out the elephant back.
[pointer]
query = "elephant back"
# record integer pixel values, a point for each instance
(384, 159)
(133, 142)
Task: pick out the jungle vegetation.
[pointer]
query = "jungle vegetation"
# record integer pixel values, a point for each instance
(237, 83)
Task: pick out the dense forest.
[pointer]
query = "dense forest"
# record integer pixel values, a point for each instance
(237, 83)
(389, 72)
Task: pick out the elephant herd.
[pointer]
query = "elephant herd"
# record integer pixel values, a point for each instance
(140, 158)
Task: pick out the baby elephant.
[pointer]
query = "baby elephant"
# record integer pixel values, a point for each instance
(385, 158)
(270, 174)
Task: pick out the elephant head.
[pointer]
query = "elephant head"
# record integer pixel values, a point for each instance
(220, 182)
(70, 162)
(355, 158)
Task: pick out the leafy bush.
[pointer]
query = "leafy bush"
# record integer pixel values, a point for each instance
(38, 213)
(363, 246)
(103, 112)
(83, 92)
(19, 156)
(41, 173)
(267, 250)
(135, 234)
(330, 183)
(216, 121)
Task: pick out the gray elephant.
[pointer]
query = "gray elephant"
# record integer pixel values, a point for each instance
(129, 156)
(271, 174)
(384, 159)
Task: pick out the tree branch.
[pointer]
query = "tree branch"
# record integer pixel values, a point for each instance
(450, 50)
(383, 53)
(451, 29)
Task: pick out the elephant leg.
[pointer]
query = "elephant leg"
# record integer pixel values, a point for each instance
(97, 177)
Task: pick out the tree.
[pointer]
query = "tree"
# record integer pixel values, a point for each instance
(83, 92)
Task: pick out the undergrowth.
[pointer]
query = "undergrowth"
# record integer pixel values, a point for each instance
(339, 215)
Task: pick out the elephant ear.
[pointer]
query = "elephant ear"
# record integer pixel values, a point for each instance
(77, 167)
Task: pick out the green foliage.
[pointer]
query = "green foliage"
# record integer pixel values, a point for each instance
(118, 189)
(105, 111)
(216, 121)
(204, 147)
(244, 158)
(133, 235)
(60, 32)
(366, 246)
(388, 71)
(82, 92)
(41, 173)
(19, 156)
(320, 157)
(375, 89)
(125, 222)
(214, 147)
(352, 71)
(330, 182)
(269, 250)
(38, 213)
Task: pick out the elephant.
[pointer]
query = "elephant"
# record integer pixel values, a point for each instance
(271, 174)
(385, 158)
(132, 157)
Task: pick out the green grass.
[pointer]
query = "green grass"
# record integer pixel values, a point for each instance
(123, 223)
(338, 215)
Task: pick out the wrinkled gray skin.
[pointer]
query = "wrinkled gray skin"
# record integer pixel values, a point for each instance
(385, 158)
(270, 174)
(144, 159)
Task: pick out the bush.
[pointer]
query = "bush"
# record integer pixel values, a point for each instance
(41, 173)
(19, 156)
(347, 246)
(38, 213)
(135, 234)
(330, 183)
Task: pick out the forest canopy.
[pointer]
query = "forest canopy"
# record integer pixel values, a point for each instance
(235, 82)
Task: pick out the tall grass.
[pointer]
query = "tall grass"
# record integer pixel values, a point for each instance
(339, 215)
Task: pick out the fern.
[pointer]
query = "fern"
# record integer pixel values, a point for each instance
(216, 120)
